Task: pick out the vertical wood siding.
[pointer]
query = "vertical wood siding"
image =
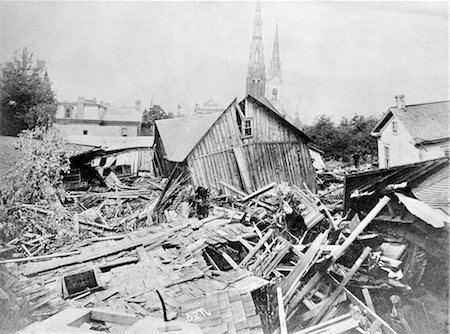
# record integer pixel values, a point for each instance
(275, 152)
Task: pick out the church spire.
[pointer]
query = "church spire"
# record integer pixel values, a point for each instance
(275, 65)
(256, 77)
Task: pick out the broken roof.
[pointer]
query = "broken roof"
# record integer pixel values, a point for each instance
(181, 135)
(426, 123)
(414, 174)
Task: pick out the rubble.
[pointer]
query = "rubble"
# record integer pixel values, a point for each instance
(272, 260)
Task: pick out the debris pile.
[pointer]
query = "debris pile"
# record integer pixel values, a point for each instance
(273, 260)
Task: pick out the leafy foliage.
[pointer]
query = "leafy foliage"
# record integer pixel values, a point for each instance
(31, 186)
(27, 99)
(347, 138)
(149, 117)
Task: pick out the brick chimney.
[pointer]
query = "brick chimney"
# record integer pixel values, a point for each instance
(400, 102)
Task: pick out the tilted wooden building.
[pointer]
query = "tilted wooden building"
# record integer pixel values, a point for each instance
(248, 145)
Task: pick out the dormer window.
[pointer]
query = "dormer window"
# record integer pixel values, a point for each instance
(247, 127)
(394, 128)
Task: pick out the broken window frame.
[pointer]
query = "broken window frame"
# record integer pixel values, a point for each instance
(247, 130)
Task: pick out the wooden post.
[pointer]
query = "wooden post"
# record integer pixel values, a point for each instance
(357, 231)
(281, 314)
(341, 286)
(259, 191)
(256, 248)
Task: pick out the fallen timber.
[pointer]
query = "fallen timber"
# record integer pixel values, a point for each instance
(245, 245)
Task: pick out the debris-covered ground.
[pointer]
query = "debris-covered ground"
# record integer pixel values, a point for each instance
(279, 260)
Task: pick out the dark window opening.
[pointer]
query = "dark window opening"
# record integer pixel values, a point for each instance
(68, 112)
(85, 132)
(247, 127)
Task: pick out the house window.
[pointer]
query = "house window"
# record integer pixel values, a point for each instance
(247, 127)
(68, 112)
(124, 132)
(85, 132)
(394, 128)
(386, 156)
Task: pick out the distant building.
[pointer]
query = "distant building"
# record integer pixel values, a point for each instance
(413, 133)
(89, 117)
(208, 107)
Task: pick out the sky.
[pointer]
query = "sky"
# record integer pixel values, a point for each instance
(337, 58)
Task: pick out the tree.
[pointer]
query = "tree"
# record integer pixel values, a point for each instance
(27, 99)
(324, 134)
(149, 117)
(342, 141)
(356, 133)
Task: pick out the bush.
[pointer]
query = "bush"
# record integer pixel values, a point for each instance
(30, 192)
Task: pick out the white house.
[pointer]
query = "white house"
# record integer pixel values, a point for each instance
(413, 133)
(91, 118)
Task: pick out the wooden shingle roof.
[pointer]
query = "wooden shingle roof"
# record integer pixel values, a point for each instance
(426, 123)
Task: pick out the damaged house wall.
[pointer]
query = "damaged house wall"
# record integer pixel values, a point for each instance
(248, 146)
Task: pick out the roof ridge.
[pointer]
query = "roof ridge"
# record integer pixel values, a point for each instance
(421, 104)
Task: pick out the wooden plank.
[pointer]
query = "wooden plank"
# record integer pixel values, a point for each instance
(230, 261)
(151, 241)
(303, 264)
(341, 286)
(233, 188)
(280, 255)
(114, 317)
(42, 257)
(368, 299)
(259, 192)
(371, 314)
(256, 248)
(357, 231)
(296, 300)
(243, 169)
(281, 313)
(336, 325)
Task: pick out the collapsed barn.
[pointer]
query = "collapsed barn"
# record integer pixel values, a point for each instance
(248, 146)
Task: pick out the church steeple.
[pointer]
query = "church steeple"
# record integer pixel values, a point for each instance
(275, 65)
(274, 82)
(256, 77)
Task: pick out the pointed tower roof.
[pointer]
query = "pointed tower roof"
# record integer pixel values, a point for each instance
(256, 69)
(275, 64)
(257, 22)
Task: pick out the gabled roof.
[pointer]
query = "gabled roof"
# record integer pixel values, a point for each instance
(262, 101)
(426, 123)
(181, 135)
